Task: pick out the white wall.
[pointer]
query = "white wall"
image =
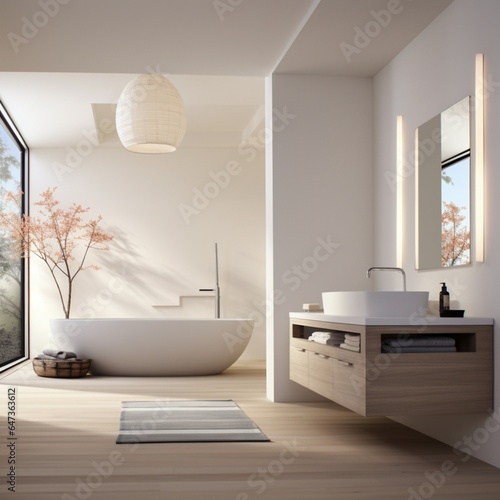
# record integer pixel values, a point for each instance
(435, 71)
(164, 233)
(319, 203)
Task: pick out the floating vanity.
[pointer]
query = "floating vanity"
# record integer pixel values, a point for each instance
(373, 382)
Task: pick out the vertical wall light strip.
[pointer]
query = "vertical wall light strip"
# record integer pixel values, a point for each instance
(479, 158)
(417, 205)
(399, 191)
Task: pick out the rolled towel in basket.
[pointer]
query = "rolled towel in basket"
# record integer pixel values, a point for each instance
(54, 353)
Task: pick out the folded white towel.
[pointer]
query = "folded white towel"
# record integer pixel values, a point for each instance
(329, 338)
(349, 347)
(352, 342)
(334, 340)
(352, 336)
(319, 341)
(321, 334)
(325, 341)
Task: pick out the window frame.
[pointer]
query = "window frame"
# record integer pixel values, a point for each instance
(12, 130)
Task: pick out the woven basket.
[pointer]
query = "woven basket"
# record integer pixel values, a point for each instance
(61, 368)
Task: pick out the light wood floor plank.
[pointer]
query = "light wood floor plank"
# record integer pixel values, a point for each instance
(66, 447)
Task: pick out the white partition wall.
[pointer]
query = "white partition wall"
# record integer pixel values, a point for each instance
(319, 199)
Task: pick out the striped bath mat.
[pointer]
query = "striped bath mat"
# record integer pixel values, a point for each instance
(185, 421)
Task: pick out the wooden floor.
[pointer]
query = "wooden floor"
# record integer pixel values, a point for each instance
(66, 431)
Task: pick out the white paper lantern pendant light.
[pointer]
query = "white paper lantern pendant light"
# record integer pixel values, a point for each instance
(150, 115)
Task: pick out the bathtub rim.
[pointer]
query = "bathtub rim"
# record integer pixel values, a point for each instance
(247, 320)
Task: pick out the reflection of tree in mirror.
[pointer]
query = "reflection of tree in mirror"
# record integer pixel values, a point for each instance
(455, 244)
(446, 178)
(10, 268)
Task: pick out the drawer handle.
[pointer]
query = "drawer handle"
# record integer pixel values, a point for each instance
(345, 363)
(300, 349)
(324, 356)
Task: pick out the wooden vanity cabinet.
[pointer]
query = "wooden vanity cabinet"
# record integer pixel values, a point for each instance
(375, 383)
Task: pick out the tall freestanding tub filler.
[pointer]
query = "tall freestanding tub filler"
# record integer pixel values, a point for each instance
(154, 347)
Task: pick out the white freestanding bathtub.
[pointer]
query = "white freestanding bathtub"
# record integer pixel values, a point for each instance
(154, 347)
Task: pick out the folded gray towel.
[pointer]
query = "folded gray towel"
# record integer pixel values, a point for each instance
(44, 356)
(394, 349)
(333, 342)
(421, 341)
(51, 358)
(54, 353)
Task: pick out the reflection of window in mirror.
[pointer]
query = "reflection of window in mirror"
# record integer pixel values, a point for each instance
(443, 229)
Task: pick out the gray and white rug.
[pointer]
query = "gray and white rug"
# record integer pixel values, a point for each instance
(185, 421)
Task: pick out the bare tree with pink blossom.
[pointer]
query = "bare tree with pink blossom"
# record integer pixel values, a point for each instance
(59, 237)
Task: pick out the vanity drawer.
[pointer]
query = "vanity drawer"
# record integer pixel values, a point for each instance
(321, 374)
(350, 384)
(299, 365)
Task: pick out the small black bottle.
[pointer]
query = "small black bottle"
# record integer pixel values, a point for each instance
(444, 299)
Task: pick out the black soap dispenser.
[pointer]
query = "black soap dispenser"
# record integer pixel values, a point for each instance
(444, 299)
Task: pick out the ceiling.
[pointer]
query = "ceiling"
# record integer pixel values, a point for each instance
(63, 63)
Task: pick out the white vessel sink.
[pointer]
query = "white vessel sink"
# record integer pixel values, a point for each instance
(376, 304)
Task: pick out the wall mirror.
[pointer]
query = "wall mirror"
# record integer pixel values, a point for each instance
(443, 228)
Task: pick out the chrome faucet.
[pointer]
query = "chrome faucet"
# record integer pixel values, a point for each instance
(388, 269)
(216, 289)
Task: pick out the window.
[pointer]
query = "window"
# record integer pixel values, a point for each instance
(13, 177)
